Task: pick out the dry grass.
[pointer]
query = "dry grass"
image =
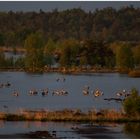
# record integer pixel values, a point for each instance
(134, 73)
(69, 115)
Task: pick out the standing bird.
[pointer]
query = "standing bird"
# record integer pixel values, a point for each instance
(16, 93)
(57, 79)
(45, 92)
(86, 90)
(64, 79)
(119, 94)
(7, 84)
(33, 92)
(1, 85)
(97, 93)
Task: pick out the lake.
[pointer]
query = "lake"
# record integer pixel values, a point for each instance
(74, 84)
(109, 83)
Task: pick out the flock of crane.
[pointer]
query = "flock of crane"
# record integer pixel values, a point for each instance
(32, 92)
(61, 92)
(7, 84)
(120, 96)
(96, 92)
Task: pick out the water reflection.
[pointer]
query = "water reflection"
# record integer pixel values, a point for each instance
(64, 129)
(36, 124)
(2, 124)
(132, 129)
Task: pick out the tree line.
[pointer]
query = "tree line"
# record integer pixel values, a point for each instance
(107, 24)
(105, 38)
(70, 53)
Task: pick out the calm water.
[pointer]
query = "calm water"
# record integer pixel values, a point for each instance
(64, 130)
(74, 84)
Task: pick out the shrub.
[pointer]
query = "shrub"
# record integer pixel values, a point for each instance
(132, 104)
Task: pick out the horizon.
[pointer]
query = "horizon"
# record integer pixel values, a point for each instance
(48, 6)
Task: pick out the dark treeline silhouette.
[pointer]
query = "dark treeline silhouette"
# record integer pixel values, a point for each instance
(105, 38)
(107, 24)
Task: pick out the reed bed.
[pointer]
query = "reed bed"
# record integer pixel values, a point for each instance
(69, 115)
(134, 73)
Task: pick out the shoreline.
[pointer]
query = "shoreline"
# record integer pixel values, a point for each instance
(132, 73)
(65, 70)
(61, 70)
(68, 115)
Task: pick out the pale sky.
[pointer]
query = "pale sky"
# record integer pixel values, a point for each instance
(62, 5)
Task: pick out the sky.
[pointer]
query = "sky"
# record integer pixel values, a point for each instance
(62, 5)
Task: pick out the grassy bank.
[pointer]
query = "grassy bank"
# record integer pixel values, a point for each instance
(70, 115)
(75, 70)
(134, 73)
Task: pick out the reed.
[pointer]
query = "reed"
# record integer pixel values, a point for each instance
(134, 73)
(70, 115)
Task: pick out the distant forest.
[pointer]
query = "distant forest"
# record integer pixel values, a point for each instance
(105, 38)
(107, 24)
